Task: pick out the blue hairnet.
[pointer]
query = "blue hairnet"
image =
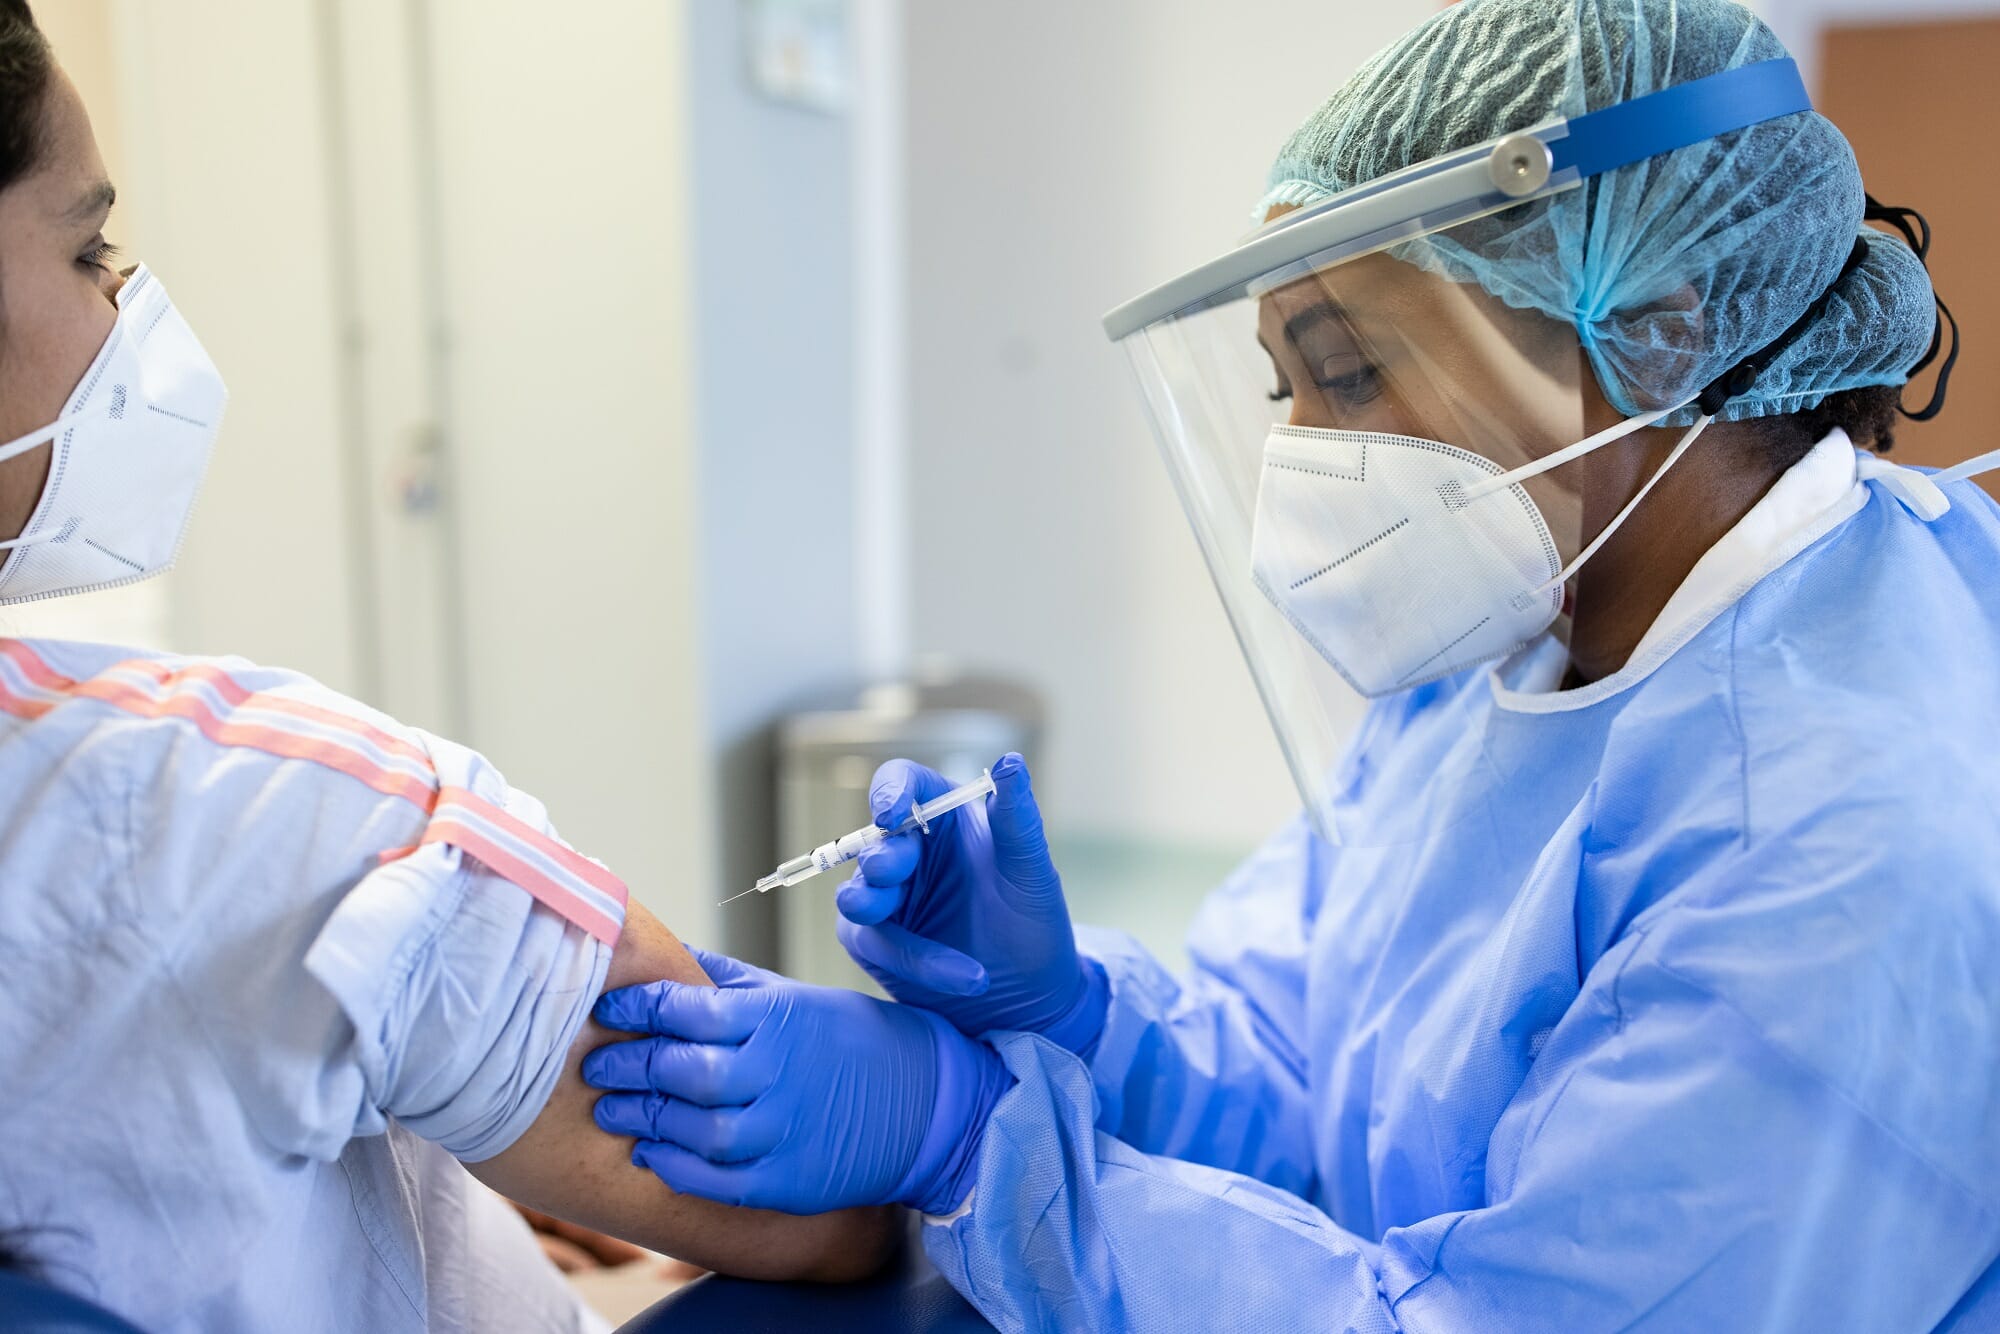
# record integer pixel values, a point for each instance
(1670, 270)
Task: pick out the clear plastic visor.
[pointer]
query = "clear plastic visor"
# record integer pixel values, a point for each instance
(1312, 426)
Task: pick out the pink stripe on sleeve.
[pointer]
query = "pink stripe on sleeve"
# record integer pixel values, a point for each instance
(559, 898)
(570, 860)
(237, 695)
(285, 745)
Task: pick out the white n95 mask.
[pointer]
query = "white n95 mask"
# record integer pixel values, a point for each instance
(1403, 560)
(130, 449)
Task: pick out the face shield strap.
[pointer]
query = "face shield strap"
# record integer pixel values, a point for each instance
(1681, 116)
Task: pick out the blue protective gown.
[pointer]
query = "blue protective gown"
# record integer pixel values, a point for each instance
(1668, 1004)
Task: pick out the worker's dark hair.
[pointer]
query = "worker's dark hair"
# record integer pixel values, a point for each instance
(1868, 415)
(25, 68)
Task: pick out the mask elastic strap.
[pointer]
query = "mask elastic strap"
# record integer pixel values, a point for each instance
(1688, 437)
(37, 539)
(21, 444)
(1570, 452)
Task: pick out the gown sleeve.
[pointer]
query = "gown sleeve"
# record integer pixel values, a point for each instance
(1211, 1068)
(1699, 1145)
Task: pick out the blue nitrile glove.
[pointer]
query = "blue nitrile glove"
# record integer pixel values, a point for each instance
(766, 1092)
(969, 919)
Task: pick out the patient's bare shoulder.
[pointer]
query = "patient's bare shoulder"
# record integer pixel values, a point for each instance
(568, 1167)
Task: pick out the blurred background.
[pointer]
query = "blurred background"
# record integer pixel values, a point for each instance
(687, 402)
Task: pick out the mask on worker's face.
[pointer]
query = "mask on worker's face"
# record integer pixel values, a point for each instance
(1402, 560)
(129, 452)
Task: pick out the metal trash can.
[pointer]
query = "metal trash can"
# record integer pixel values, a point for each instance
(826, 760)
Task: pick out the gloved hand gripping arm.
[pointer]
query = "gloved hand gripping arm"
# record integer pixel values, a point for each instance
(774, 1094)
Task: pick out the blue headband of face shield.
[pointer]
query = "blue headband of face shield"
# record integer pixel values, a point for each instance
(1499, 174)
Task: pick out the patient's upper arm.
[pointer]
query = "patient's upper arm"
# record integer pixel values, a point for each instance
(565, 1165)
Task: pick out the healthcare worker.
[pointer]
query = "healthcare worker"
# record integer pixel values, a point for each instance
(1632, 968)
(282, 975)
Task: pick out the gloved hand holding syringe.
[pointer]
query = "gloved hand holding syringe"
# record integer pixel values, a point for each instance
(849, 846)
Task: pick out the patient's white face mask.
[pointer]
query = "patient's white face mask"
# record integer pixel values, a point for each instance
(130, 449)
(1403, 560)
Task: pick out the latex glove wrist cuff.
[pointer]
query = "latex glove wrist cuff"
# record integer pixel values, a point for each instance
(971, 1078)
(1078, 1027)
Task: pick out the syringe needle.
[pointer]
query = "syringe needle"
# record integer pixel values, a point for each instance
(850, 846)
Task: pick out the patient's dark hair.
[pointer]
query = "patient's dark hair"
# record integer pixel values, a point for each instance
(25, 68)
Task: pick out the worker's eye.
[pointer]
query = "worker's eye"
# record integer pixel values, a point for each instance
(98, 256)
(1350, 382)
(1282, 392)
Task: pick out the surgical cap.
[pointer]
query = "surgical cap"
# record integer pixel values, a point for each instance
(1671, 270)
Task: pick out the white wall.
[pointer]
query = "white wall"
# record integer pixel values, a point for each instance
(1064, 157)
(564, 217)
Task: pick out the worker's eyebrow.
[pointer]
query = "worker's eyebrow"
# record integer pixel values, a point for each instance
(1303, 323)
(95, 202)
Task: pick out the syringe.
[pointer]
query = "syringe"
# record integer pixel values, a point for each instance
(849, 846)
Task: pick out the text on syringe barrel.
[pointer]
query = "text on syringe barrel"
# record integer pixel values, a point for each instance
(846, 848)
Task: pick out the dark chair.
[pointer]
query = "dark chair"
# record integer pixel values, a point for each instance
(909, 1297)
(29, 1306)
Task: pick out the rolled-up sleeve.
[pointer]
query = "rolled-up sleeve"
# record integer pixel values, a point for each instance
(350, 955)
(464, 994)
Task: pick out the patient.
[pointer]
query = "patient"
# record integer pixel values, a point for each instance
(279, 973)
(278, 970)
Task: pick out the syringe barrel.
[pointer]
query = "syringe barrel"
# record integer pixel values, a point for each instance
(789, 873)
(846, 848)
